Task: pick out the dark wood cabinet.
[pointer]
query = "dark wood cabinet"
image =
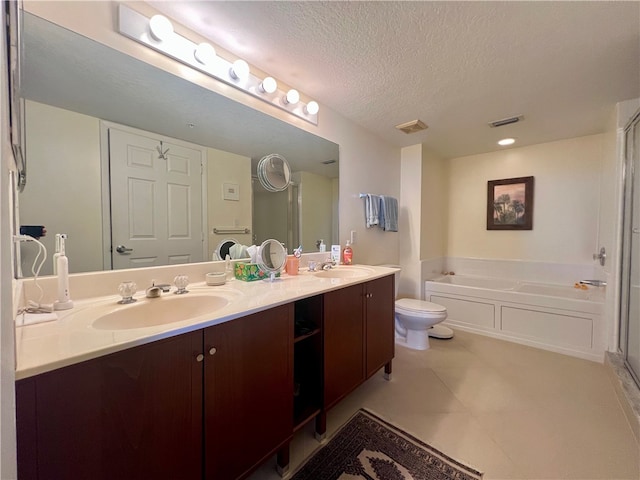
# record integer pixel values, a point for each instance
(132, 414)
(358, 329)
(213, 403)
(379, 324)
(343, 329)
(248, 378)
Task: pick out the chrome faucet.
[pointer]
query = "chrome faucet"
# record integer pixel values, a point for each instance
(154, 291)
(327, 264)
(594, 283)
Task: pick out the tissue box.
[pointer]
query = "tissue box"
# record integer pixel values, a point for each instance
(248, 272)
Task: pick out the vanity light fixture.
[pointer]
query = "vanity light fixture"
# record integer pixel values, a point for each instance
(269, 85)
(292, 97)
(506, 141)
(161, 27)
(205, 53)
(240, 70)
(312, 108)
(155, 31)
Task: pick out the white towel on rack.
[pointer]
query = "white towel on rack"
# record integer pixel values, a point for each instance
(388, 213)
(372, 210)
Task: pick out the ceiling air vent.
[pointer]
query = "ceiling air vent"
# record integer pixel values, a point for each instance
(412, 126)
(506, 121)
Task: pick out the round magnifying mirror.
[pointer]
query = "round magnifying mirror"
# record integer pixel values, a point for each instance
(271, 257)
(274, 172)
(222, 250)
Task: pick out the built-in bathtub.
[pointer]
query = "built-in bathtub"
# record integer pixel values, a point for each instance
(560, 318)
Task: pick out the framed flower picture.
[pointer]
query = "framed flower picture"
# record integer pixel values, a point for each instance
(510, 204)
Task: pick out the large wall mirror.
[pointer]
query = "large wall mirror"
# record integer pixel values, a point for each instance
(93, 114)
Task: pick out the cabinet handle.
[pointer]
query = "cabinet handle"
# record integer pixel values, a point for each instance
(212, 351)
(200, 357)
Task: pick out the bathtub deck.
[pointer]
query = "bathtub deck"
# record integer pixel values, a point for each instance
(556, 318)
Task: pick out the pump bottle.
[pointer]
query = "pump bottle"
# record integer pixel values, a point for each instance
(347, 254)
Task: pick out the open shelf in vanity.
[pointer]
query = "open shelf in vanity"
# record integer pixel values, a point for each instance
(307, 360)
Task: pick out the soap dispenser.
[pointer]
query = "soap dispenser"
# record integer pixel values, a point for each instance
(347, 254)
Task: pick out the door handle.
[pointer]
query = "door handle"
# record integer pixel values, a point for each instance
(636, 230)
(123, 249)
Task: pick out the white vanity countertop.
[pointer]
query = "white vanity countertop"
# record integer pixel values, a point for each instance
(73, 338)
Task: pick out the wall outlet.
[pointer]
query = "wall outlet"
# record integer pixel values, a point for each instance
(354, 237)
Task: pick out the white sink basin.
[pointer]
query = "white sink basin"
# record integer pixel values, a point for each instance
(166, 309)
(345, 272)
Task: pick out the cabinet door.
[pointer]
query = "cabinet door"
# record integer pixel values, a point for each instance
(132, 414)
(343, 331)
(248, 391)
(379, 324)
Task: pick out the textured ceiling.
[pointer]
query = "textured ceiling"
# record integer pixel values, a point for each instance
(454, 65)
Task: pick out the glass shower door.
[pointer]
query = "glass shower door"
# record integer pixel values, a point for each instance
(630, 301)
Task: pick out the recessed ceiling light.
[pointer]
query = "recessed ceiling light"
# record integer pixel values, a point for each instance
(506, 141)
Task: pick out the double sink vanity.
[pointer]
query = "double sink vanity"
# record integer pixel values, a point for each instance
(209, 384)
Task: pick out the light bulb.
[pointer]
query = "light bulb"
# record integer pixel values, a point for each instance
(239, 70)
(269, 85)
(506, 141)
(161, 27)
(292, 97)
(312, 108)
(204, 53)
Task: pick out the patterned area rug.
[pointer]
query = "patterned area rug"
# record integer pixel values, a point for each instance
(369, 448)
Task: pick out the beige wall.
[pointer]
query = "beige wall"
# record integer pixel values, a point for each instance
(316, 210)
(410, 221)
(225, 167)
(567, 195)
(435, 206)
(265, 224)
(63, 151)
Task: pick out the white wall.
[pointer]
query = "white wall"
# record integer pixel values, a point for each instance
(63, 150)
(225, 167)
(566, 201)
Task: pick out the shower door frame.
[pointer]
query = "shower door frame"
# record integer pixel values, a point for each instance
(631, 187)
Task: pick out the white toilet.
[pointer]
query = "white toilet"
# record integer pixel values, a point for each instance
(416, 321)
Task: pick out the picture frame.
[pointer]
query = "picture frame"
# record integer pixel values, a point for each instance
(510, 204)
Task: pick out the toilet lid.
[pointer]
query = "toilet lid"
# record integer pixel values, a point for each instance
(415, 305)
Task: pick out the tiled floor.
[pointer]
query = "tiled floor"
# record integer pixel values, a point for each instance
(512, 411)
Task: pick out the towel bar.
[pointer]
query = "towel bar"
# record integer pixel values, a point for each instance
(226, 231)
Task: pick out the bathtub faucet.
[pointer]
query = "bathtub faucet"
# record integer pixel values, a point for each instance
(595, 283)
(448, 273)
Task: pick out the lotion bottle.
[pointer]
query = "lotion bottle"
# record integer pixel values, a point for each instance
(347, 254)
(64, 301)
